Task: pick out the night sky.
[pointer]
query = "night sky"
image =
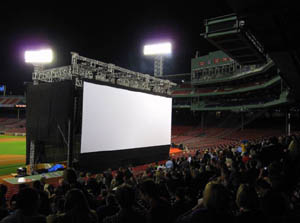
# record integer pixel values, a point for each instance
(112, 33)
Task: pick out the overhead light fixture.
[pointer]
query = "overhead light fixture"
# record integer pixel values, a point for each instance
(42, 56)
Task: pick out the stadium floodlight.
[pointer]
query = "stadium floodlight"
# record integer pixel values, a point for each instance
(42, 56)
(38, 58)
(158, 51)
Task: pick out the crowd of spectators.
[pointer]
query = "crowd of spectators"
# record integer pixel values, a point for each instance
(260, 183)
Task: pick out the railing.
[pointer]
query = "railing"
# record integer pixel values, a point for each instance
(243, 72)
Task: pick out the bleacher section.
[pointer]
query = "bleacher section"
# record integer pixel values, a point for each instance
(12, 126)
(198, 138)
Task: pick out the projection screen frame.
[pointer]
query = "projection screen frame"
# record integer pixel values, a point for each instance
(148, 154)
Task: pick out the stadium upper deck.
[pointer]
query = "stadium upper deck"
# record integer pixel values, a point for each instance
(240, 76)
(217, 82)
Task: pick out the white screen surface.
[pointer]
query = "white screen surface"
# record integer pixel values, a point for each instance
(115, 119)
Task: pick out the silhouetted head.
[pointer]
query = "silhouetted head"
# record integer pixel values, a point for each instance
(125, 196)
(76, 200)
(28, 201)
(149, 189)
(69, 176)
(246, 197)
(215, 197)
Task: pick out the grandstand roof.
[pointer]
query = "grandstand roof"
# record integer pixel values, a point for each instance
(275, 26)
(11, 101)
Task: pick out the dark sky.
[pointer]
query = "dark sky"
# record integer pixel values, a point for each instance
(112, 33)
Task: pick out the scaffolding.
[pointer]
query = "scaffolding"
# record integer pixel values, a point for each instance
(82, 68)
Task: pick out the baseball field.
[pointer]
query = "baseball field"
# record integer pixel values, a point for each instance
(12, 153)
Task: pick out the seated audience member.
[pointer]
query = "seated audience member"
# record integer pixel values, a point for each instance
(69, 181)
(248, 205)
(27, 208)
(215, 206)
(160, 210)
(108, 177)
(76, 209)
(181, 204)
(3, 205)
(109, 209)
(49, 189)
(57, 208)
(119, 177)
(245, 157)
(70, 178)
(81, 179)
(262, 187)
(125, 196)
(3, 213)
(13, 204)
(3, 191)
(274, 206)
(169, 164)
(44, 207)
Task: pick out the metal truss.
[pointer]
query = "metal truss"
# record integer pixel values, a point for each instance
(85, 68)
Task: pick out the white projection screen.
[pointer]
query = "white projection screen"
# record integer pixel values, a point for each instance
(116, 119)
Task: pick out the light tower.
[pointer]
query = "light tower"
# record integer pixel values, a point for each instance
(158, 51)
(38, 58)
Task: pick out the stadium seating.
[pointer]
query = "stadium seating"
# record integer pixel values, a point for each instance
(12, 125)
(197, 137)
(184, 92)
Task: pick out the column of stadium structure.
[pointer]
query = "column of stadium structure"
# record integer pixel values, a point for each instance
(287, 122)
(158, 66)
(71, 133)
(71, 121)
(37, 58)
(36, 69)
(32, 156)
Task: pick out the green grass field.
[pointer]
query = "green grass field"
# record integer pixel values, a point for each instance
(14, 148)
(11, 148)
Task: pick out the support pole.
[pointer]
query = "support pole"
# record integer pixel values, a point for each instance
(32, 156)
(288, 123)
(71, 132)
(158, 66)
(37, 68)
(69, 148)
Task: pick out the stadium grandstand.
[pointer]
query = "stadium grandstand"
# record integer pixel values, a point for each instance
(233, 94)
(13, 115)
